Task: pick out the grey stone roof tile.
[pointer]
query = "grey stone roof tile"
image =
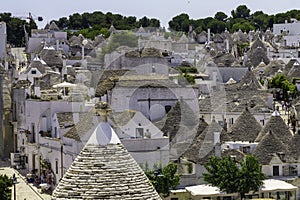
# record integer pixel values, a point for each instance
(105, 172)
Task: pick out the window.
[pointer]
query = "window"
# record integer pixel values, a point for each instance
(56, 166)
(33, 71)
(33, 132)
(139, 132)
(168, 108)
(55, 132)
(275, 170)
(246, 149)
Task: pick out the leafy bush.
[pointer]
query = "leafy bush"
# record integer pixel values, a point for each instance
(5, 191)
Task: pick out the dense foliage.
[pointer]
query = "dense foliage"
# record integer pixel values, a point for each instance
(93, 24)
(164, 179)
(234, 177)
(288, 89)
(15, 28)
(241, 18)
(5, 191)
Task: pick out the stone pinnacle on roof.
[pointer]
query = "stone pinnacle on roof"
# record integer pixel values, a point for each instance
(104, 170)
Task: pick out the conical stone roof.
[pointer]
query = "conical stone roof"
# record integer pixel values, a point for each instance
(278, 128)
(104, 170)
(269, 146)
(203, 146)
(294, 149)
(246, 128)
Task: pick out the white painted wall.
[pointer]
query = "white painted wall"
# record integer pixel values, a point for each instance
(292, 28)
(136, 98)
(140, 121)
(3, 40)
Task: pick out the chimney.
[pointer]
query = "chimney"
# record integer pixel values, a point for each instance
(82, 52)
(208, 36)
(227, 45)
(217, 145)
(245, 58)
(225, 125)
(102, 109)
(57, 45)
(216, 138)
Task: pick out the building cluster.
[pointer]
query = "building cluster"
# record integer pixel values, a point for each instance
(87, 123)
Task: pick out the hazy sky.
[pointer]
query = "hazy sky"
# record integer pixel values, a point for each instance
(164, 10)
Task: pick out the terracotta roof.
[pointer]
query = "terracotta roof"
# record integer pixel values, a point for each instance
(105, 170)
(245, 128)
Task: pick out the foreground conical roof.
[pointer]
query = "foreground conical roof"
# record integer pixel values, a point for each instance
(104, 170)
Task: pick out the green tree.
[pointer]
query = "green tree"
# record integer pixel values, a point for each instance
(154, 22)
(260, 20)
(63, 23)
(217, 26)
(234, 177)
(123, 39)
(5, 191)
(105, 32)
(180, 22)
(245, 26)
(281, 18)
(250, 176)
(288, 88)
(242, 47)
(164, 179)
(220, 16)
(75, 21)
(242, 11)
